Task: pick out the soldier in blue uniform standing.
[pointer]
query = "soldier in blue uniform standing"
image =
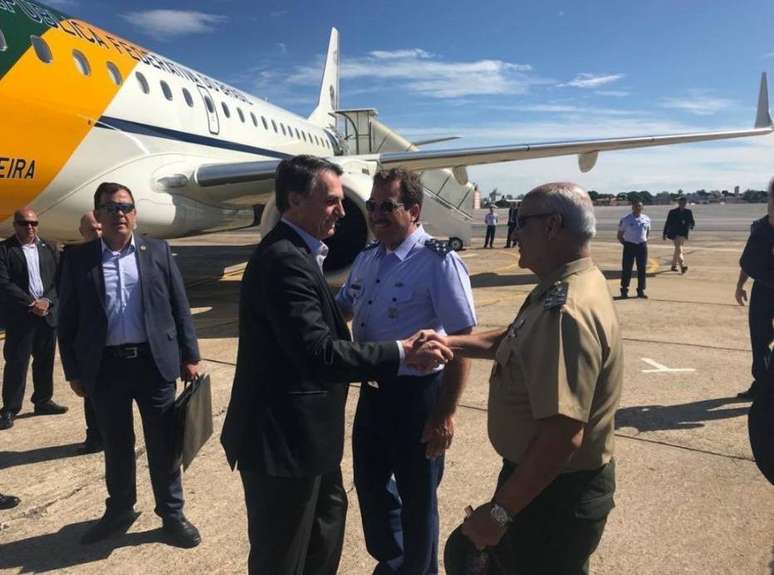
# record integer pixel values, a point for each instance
(633, 230)
(757, 262)
(405, 282)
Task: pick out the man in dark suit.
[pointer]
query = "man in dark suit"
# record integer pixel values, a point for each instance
(678, 224)
(285, 423)
(28, 286)
(126, 334)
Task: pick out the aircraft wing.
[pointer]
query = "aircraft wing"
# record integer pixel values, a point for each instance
(587, 151)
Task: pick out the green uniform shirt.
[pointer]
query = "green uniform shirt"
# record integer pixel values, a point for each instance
(561, 355)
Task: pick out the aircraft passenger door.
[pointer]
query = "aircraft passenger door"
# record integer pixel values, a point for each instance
(212, 111)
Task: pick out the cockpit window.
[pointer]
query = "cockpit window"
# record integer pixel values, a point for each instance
(81, 63)
(41, 49)
(115, 74)
(144, 86)
(254, 119)
(3, 43)
(209, 104)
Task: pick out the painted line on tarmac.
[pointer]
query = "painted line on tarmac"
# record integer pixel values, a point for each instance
(660, 368)
(699, 345)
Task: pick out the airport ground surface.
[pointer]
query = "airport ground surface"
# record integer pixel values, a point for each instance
(690, 499)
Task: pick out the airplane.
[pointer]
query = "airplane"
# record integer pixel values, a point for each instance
(81, 105)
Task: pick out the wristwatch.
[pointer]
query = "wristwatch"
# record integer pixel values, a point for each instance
(500, 514)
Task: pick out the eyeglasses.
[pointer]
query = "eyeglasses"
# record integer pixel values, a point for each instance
(25, 223)
(115, 207)
(387, 206)
(522, 220)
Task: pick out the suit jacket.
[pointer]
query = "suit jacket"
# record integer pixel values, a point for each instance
(295, 359)
(678, 223)
(82, 319)
(15, 283)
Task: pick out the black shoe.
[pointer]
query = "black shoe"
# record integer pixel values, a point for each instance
(6, 419)
(50, 408)
(8, 501)
(181, 532)
(683, 269)
(642, 295)
(750, 393)
(110, 524)
(673, 268)
(91, 445)
(624, 294)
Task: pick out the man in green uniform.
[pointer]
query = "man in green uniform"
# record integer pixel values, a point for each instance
(554, 389)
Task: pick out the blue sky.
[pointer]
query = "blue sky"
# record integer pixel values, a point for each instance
(499, 72)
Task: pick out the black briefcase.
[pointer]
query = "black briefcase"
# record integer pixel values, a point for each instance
(193, 420)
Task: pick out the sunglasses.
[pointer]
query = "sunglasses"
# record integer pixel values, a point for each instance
(386, 206)
(115, 207)
(25, 223)
(522, 220)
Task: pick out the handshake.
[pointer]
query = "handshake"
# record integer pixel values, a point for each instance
(426, 350)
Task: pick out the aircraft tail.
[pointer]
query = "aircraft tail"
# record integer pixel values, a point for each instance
(329, 91)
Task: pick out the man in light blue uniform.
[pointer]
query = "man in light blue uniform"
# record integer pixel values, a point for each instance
(405, 282)
(633, 230)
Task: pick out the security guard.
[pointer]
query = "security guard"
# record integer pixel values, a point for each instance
(633, 231)
(554, 388)
(757, 262)
(405, 282)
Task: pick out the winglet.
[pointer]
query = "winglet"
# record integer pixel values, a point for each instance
(329, 90)
(762, 117)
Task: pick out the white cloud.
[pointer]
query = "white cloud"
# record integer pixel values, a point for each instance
(613, 93)
(698, 104)
(769, 55)
(422, 73)
(585, 80)
(165, 24)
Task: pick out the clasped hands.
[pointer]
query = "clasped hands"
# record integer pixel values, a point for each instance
(425, 350)
(40, 307)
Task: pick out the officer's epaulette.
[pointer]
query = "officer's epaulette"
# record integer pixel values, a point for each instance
(556, 296)
(439, 247)
(370, 246)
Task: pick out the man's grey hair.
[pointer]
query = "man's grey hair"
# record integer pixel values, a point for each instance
(569, 201)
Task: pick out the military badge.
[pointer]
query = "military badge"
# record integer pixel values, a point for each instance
(556, 296)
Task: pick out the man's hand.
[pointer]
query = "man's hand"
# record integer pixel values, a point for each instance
(188, 371)
(741, 295)
(438, 434)
(481, 529)
(40, 307)
(77, 388)
(427, 356)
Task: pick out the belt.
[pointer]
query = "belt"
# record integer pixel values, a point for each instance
(127, 350)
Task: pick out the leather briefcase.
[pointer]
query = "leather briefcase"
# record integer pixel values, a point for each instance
(193, 420)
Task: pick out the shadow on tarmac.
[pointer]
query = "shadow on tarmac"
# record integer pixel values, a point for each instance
(682, 416)
(34, 555)
(492, 279)
(10, 459)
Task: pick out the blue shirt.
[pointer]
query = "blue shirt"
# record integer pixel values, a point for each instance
(635, 228)
(30, 252)
(392, 295)
(319, 249)
(123, 295)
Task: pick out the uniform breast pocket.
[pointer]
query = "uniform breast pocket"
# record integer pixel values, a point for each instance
(402, 294)
(356, 289)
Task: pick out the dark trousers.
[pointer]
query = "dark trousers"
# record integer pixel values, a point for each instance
(508, 240)
(396, 484)
(121, 381)
(556, 533)
(761, 314)
(295, 524)
(490, 234)
(30, 337)
(632, 252)
(92, 427)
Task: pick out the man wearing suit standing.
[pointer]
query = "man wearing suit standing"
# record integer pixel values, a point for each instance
(28, 286)
(285, 423)
(126, 334)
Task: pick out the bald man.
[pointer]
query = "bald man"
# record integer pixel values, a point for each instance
(28, 287)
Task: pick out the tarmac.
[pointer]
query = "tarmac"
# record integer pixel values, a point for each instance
(690, 498)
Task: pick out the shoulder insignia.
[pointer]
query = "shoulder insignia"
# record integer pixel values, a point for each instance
(556, 296)
(371, 246)
(438, 247)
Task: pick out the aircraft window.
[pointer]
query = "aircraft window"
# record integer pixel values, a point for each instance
(298, 136)
(81, 63)
(209, 104)
(265, 123)
(253, 118)
(115, 74)
(316, 141)
(3, 43)
(282, 127)
(241, 115)
(226, 110)
(41, 49)
(303, 135)
(273, 123)
(167, 92)
(188, 98)
(143, 82)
